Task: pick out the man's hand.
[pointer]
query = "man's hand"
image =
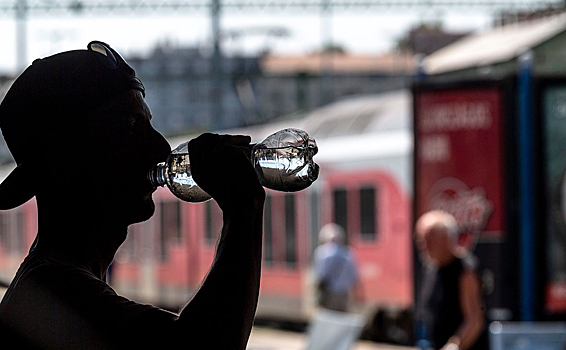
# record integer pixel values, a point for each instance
(221, 166)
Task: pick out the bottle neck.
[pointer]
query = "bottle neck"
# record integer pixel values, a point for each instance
(158, 176)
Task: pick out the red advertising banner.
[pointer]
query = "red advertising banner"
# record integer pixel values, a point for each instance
(459, 159)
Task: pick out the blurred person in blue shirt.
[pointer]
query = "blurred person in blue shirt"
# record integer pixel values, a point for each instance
(336, 269)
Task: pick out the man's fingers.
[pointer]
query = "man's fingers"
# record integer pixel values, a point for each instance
(215, 141)
(241, 140)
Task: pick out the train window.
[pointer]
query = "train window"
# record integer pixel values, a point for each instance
(367, 213)
(170, 225)
(290, 241)
(314, 220)
(162, 236)
(18, 227)
(12, 231)
(128, 248)
(267, 232)
(213, 225)
(341, 209)
(208, 222)
(171, 220)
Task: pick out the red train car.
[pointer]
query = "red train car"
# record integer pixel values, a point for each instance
(365, 147)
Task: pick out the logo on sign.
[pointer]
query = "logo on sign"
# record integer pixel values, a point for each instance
(470, 207)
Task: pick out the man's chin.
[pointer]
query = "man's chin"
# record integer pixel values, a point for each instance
(141, 211)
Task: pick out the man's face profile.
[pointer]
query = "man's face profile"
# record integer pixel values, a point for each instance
(433, 241)
(119, 147)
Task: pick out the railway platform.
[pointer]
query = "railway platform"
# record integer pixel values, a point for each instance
(267, 338)
(264, 338)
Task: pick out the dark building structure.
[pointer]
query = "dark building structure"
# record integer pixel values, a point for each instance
(189, 95)
(427, 38)
(186, 93)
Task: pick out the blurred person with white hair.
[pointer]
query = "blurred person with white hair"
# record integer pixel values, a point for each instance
(451, 302)
(336, 269)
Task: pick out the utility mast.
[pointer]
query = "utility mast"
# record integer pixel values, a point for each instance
(21, 34)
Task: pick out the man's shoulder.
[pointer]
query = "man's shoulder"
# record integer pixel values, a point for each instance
(40, 277)
(323, 250)
(43, 272)
(55, 303)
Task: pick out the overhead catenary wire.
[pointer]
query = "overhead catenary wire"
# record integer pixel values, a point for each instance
(47, 7)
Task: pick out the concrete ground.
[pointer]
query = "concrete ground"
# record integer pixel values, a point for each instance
(263, 338)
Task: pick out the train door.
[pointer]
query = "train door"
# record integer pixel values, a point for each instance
(132, 271)
(154, 263)
(173, 252)
(285, 255)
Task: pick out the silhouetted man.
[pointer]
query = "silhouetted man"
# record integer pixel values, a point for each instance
(78, 127)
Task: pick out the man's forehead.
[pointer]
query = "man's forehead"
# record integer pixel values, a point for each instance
(138, 104)
(130, 102)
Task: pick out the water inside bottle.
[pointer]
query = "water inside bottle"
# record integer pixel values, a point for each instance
(287, 169)
(181, 181)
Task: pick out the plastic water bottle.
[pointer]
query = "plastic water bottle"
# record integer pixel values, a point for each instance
(283, 162)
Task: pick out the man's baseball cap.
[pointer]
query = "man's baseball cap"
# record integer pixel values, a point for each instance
(50, 95)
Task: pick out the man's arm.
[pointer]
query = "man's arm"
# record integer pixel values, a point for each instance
(220, 315)
(472, 308)
(222, 311)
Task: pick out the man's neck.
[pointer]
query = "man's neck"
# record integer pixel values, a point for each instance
(446, 260)
(78, 238)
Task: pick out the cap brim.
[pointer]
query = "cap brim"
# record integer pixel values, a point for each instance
(16, 189)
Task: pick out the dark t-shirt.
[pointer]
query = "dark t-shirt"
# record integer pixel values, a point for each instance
(55, 305)
(442, 302)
